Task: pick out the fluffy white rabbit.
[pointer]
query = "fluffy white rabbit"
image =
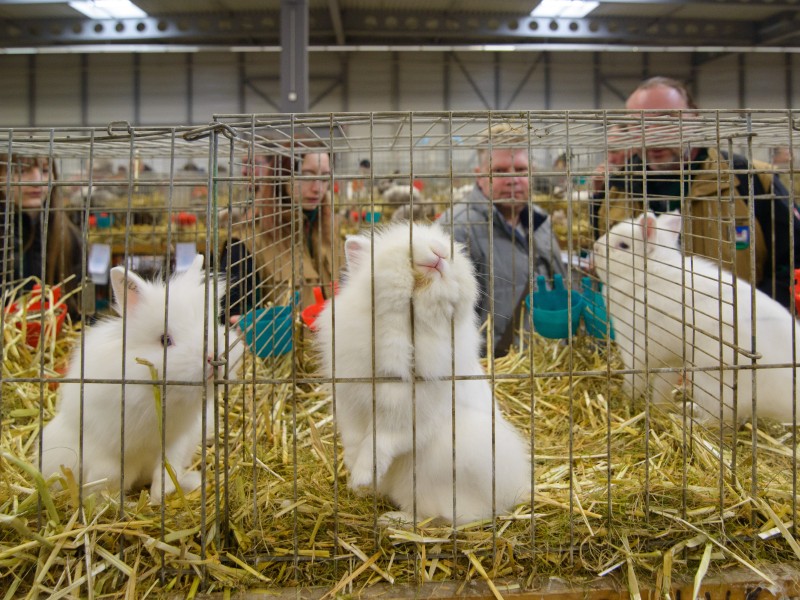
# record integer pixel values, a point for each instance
(402, 194)
(99, 364)
(686, 307)
(436, 282)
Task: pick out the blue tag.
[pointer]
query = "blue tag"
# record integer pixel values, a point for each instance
(742, 237)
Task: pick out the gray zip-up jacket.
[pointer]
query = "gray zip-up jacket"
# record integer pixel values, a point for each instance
(470, 223)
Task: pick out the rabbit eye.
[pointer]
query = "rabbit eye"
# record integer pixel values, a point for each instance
(166, 340)
(624, 246)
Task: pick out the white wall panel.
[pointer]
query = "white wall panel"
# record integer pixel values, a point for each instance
(14, 91)
(262, 89)
(515, 67)
(163, 89)
(421, 81)
(110, 88)
(58, 90)
(571, 80)
(215, 87)
(765, 81)
(370, 81)
(325, 85)
(718, 83)
(620, 72)
(463, 94)
(677, 65)
(421, 85)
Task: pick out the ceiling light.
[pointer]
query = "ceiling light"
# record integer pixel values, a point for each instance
(571, 9)
(108, 9)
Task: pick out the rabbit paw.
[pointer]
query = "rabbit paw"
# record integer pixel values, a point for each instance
(361, 472)
(190, 481)
(155, 489)
(361, 475)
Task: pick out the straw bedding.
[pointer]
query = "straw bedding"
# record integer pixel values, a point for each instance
(620, 491)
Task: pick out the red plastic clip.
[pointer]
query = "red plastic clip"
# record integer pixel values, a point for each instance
(32, 326)
(310, 313)
(797, 290)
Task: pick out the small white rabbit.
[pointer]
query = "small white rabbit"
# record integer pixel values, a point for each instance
(402, 194)
(90, 407)
(417, 272)
(671, 311)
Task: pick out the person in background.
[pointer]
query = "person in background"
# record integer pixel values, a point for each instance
(47, 245)
(502, 197)
(789, 171)
(361, 187)
(689, 179)
(289, 241)
(558, 183)
(617, 157)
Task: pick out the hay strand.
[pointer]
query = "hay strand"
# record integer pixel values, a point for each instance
(702, 569)
(283, 515)
(482, 572)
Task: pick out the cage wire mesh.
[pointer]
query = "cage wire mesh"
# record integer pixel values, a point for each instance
(658, 437)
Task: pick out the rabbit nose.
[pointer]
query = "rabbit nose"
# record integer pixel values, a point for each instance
(440, 250)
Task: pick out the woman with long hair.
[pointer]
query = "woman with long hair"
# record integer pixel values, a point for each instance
(45, 244)
(289, 241)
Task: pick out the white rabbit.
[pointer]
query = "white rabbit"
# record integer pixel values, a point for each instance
(421, 212)
(461, 193)
(99, 403)
(402, 194)
(651, 323)
(438, 282)
(669, 226)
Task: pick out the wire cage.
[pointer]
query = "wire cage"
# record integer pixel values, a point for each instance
(599, 344)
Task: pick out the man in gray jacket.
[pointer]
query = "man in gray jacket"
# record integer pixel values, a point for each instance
(502, 196)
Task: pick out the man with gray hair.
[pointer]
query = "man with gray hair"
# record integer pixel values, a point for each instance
(501, 197)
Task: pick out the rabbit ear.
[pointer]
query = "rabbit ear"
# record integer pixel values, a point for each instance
(671, 223)
(197, 263)
(649, 229)
(134, 284)
(356, 249)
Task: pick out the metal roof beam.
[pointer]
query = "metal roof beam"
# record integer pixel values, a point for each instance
(199, 27)
(419, 25)
(368, 27)
(780, 29)
(336, 21)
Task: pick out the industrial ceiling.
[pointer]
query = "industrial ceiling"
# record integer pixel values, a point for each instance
(36, 25)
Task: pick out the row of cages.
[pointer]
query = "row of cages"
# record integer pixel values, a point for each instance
(343, 350)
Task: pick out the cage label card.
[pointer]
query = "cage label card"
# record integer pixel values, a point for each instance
(742, 237)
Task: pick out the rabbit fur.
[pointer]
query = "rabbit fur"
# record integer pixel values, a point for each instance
(408, 424)
(107, 356)
(649, 282)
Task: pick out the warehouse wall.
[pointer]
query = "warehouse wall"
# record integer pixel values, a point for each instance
(175, 88)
